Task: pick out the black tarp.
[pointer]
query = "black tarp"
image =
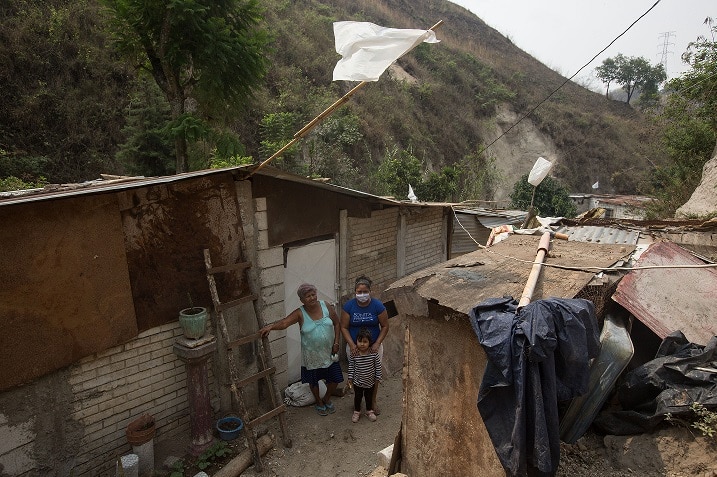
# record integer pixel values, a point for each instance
(537, 356)
(669, 384)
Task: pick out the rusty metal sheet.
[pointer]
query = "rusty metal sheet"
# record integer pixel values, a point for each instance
(666, 300)
(503, 269)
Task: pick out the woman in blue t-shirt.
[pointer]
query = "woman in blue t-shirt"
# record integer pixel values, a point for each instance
(364, 312)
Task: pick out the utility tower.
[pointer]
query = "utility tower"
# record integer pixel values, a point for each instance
(665, 39)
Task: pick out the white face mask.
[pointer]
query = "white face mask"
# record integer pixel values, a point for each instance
(363, 297)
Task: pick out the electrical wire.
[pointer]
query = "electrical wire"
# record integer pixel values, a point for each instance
(568, 79)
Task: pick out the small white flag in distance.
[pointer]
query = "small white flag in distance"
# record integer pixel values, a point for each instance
(367, 49)
(411, 195)
(596, 185)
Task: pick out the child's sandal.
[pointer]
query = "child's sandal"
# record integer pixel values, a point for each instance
(322, 410)
(356, 416)
(371, 416)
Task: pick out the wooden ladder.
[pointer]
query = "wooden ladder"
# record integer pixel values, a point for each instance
(265, 362)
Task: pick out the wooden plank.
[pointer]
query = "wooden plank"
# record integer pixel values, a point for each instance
(256, 377)
(229, 268)
(231, 304)
(244, 340)
(264, 417)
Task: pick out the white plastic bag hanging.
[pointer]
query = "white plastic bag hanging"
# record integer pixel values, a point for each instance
(539, 171)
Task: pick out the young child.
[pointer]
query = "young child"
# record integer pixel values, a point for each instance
(364, 373)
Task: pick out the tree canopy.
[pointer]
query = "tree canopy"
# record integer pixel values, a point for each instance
(632, 73)
(207, 57)
(689, 119)
(551, 198)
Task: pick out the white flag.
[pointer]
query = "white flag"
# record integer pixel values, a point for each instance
(596, 185)
(539, 171)
(368, 49)
(411, 195)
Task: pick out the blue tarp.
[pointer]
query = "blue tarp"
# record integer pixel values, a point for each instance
(537, 357)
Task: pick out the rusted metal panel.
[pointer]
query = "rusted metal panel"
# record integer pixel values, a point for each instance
(671, 299)
(503, 269)
(65, 290)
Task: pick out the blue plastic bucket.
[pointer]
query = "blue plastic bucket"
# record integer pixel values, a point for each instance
(229, 428)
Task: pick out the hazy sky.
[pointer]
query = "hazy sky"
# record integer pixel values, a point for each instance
(565, 34)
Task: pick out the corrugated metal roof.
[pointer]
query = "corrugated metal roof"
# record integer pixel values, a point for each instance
(671, 299)
(595, 234)
(58, 191)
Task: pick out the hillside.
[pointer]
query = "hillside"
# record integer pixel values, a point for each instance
(441, 103)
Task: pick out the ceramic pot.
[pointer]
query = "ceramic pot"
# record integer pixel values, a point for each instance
(193, 322)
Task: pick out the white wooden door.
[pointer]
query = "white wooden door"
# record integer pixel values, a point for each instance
(314, 263)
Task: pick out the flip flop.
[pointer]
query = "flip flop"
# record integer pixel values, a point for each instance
(321, 410)
(330, 407)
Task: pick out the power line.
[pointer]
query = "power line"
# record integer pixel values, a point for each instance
(568, 79)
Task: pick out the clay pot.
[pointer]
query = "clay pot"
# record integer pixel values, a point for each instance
(141, 430)
(193, 322)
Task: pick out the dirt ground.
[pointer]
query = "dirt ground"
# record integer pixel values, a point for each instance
(333, 446)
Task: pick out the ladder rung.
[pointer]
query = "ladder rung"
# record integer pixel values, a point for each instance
(244, 340)
(230, 267)
(256, 377)
(233, 303)
(268, 415)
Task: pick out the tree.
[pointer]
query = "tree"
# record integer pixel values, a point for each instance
(633, 73)
(205, 55)
(689, 120)
(551, 198)
(607, 73)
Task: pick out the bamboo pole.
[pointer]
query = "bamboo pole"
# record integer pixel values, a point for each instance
(543, 248)
(311, 124)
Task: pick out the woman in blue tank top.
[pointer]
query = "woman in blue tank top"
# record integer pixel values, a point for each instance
(319, 341)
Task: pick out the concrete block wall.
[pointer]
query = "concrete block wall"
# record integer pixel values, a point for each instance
(424, 239)
(270, 262)
(115, 387)
(371, 246)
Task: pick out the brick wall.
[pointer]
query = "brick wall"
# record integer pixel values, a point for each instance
(371, 247)
(424, 239)
(115, 387)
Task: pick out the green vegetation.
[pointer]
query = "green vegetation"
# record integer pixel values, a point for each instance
(551, 198)
(701, 419)
(114, 93)
(633, 74)
(206, 56)
(689, 122)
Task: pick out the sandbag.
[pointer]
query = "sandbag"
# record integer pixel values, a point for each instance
(299, 394)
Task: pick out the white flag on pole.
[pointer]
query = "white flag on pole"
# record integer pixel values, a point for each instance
(596, 185)
(539, 171)
(367, 49)
(412, 195)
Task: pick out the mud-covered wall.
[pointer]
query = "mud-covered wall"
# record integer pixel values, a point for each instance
(166, 229)
(65, 290)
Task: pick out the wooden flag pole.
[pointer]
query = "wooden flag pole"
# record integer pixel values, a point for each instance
(311, 124)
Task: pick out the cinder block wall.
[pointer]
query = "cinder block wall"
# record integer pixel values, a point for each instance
(372, 247)
(271, 293)
(115, 387)
(425, 239)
